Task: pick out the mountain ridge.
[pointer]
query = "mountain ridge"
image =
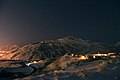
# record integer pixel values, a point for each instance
(55, 48)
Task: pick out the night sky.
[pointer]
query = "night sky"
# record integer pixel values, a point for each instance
(26, 21)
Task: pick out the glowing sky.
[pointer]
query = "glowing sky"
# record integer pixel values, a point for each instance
(24, 21)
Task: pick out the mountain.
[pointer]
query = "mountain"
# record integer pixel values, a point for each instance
(8, 47)
(55, 48)
(117, 46)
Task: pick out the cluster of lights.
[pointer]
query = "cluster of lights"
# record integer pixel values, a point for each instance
(85, 57)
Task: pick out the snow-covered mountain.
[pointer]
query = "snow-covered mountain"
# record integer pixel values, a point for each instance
(55, 48)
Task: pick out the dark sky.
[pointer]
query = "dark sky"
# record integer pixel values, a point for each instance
(24, 21)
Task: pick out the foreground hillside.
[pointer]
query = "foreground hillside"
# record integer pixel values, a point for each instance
(70, 68)
(55, 48)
